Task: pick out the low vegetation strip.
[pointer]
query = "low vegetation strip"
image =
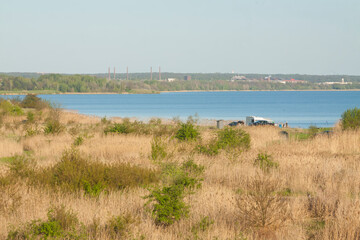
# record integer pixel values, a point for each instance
(63, 177)
(75, 173)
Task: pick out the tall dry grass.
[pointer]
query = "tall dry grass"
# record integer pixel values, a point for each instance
(313, 194)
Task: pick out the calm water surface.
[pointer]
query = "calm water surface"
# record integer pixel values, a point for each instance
(299, 109)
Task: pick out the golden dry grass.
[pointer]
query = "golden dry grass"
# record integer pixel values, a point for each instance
(321, 173)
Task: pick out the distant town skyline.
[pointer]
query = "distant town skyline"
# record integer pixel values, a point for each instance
(205, 36)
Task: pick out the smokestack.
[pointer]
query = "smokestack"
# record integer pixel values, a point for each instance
(127, 73)
(114, 73)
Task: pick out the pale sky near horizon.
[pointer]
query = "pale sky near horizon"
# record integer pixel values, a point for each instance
(247, 36)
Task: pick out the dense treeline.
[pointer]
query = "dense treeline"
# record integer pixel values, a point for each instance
(91, 83)
(206, 76)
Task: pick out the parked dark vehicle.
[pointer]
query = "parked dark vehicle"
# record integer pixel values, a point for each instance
(261, 123)
(234, 124)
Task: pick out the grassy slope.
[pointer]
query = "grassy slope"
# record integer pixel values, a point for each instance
(320, 176)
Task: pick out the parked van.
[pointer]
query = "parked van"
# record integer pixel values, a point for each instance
(250, 120)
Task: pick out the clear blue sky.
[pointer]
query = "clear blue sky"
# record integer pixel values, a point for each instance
(247, 36)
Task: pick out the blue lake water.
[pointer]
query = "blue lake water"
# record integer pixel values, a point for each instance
(299, 109)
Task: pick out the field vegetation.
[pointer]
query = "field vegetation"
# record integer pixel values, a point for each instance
(70, 176)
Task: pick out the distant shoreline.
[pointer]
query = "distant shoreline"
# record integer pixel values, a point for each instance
(179, 91)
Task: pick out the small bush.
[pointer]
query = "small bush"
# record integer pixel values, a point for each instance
(187, 132)
(167, 202)
(53, 127)
(137, 127)
(201, 226)
(119, 227)
(265, 162)
(158, 149)
(60, 224)
(233, 138)
(350, 119)
(78, 141)
(7, 107)
(33, 101)
(32, 131)
(260, 205)
(169, 205)
(227, 138)
(75, 173)
(118, 128)
(22, 166)
(30, 117)
(210, 150)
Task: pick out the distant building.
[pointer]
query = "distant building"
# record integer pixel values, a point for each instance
(171, 79)
(291, 81)
(342, 82)
(187, 78)
(238, 78)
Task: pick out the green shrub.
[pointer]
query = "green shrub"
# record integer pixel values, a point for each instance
(30, 117)
(210, 150)
(7, 107)
(227, 138)
(350, 119)
(74, 173)
(169, 205)
(137, 127)
(119, 227)
(60, 224)
(167, 202)
(201, 226)
(118, 128)
(33, 101)
(22, 166)
(187, 132)
(78, 141)
(233, 138)
(32, 131)
(53, 126)
(158, 149)
(265, 162)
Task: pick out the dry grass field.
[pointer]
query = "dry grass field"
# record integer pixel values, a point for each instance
(307, 189)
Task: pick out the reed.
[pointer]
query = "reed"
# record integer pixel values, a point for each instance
(312, 193)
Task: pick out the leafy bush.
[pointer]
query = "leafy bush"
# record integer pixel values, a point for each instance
(53, 126)
(265, 162)
(158, 151)
(118, 128)
(60, 224)
(201, 226)
(350, 119)
(187, 132)
(167, 202)
(233, 138)
(30, 117)
(7, 107)
(32, 131)
(75, 173)
(33, 101)
(78, 141)
(22, 166)
(227, 138)
(210, 150)
(119, 227)
(137, 127)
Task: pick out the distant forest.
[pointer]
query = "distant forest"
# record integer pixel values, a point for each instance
(141, 83)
